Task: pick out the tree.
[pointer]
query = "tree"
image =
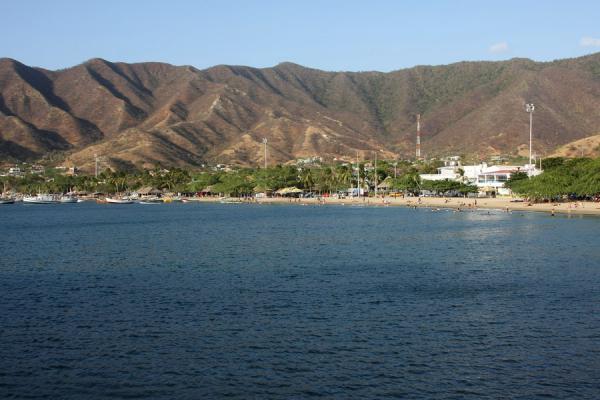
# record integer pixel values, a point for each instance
(579, 178)
(517, 176)
(324, 179)
(276, 177)
(465, 189)
(201, 181)
(307, 179)
(344, 176)
(235, 184)
(410, 183)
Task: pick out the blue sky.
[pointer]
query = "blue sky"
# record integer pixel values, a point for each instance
(330, 35)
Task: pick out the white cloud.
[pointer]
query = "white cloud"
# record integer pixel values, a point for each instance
(588, 41)
(497, 48)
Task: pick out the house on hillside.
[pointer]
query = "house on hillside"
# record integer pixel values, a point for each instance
(16, 171)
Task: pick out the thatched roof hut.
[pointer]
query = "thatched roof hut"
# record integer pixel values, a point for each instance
(386, 184)
(262, 189)
(288, 191)
(207, 190)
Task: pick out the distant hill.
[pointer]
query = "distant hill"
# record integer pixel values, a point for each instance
(586, 147)
(148, 113)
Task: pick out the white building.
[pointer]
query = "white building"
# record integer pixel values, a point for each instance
(15, 171)
(492, 179)
(489, 179)
(450, 173)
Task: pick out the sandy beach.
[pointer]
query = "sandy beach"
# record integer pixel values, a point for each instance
(463, 204)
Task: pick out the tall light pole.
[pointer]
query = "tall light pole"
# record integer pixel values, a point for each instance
(529, 108)
(375, 174)
(418, 149)
(357, 176)
(265, 146)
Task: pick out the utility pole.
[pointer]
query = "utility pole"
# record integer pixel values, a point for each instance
(96, 166)
(375, 174)
(418, 150)
(529, 108)
(357, 176)
(265, 147)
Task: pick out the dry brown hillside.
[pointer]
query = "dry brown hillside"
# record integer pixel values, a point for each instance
(586, 147)
(148, 113)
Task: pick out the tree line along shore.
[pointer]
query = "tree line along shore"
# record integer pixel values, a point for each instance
(563, 180)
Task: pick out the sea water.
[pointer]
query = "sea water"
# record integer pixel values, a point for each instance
(249, 301)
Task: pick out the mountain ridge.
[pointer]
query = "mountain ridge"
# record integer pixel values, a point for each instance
(143, 114)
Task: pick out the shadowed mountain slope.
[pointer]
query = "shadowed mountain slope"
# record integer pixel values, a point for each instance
(148, 113)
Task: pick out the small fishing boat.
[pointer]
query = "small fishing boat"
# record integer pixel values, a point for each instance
(172, 199)
(6, 200)
(230, 200)
(118, 200)
(148, 201)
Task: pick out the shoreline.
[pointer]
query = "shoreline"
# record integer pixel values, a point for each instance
(457, 203)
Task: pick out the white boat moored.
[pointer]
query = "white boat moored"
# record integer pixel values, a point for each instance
(68, 199)
(41, 199)
(118, 200)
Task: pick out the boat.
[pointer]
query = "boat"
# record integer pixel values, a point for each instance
(230, 200)
(118, 200)
(5, 198)
(173, 199)
(155, 200)
(68, 199)
(41, 199)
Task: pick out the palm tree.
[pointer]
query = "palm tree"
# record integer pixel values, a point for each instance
(322, 180)
(307, 178)
(344, 175)
(461, 172)
(331, 179)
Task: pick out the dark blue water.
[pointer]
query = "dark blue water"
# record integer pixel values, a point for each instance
(199, 301)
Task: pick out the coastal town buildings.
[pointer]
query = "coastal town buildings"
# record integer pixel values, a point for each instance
(490, 179)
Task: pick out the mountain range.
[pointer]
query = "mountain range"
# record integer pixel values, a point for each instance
(144, 114)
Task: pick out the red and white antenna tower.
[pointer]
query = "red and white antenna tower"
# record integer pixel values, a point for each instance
(418, 137)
